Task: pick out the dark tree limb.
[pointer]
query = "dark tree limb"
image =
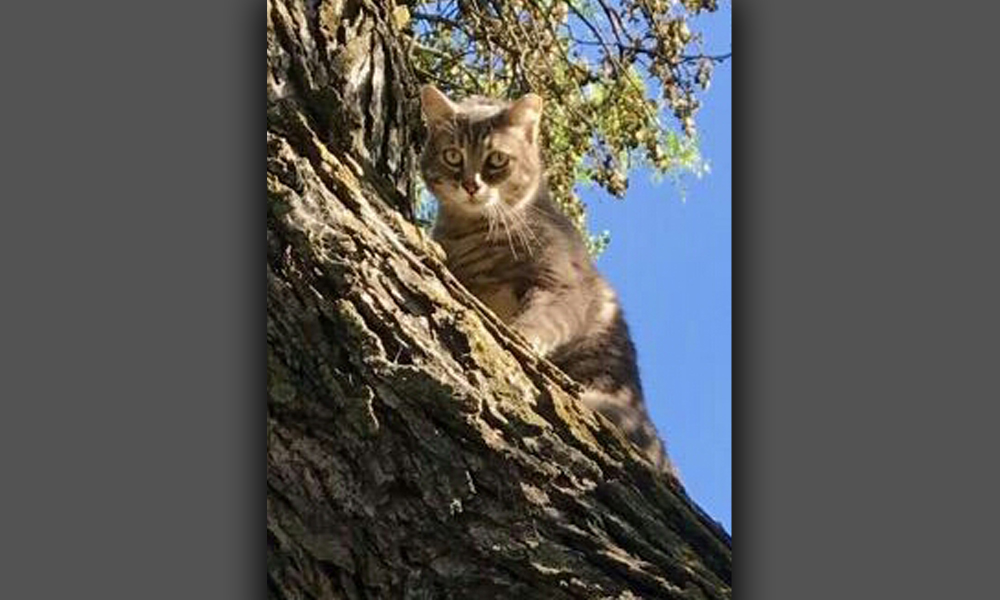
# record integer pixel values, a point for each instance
(416, 448)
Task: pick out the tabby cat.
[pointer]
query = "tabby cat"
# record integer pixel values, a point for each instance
(512, 247)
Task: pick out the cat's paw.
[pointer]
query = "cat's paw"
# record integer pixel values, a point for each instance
(533, 335)
(539, 345)
(532, 341)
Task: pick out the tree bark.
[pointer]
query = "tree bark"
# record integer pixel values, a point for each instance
(416, 448)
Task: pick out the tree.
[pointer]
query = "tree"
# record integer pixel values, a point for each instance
(416, 448)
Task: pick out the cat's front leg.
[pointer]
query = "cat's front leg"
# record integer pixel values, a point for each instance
(547, 320)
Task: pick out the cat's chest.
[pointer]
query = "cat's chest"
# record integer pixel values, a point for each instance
(493, 273)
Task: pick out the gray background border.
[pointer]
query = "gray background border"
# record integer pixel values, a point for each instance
(865, 265)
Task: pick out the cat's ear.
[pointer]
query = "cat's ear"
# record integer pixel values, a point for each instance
(435, 105)
(526, 112)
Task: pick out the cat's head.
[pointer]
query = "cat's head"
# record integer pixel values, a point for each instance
(481, 151)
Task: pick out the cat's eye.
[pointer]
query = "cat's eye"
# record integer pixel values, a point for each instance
(497, 160)
(452, 157)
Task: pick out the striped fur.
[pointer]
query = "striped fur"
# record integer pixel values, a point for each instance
(509, 244)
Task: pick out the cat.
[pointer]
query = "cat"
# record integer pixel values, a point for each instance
(515, 250)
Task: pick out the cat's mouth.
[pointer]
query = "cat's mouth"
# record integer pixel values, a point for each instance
(475, 202)
(479, 199)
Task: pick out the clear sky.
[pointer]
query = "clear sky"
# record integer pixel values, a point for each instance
(670, 260)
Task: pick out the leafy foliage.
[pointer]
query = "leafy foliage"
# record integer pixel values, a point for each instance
(619, 79)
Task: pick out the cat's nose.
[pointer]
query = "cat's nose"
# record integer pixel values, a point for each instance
(471, 186)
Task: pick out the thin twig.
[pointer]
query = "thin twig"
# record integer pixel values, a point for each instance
(719, 58)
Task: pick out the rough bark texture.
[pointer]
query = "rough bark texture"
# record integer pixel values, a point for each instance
(415, 446)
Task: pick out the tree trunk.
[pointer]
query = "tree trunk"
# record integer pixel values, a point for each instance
(416, 448)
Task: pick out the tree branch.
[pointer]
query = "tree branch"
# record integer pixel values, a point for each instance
(719, 58)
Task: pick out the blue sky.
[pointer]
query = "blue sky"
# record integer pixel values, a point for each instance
(670, 260)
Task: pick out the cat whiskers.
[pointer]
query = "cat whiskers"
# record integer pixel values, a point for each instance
(527, 235)
(496, 214)
(502, 214)
(513, 222)
(491, 221)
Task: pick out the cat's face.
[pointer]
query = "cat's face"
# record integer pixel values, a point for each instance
(480, 152)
